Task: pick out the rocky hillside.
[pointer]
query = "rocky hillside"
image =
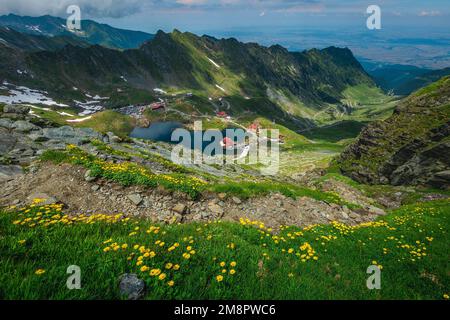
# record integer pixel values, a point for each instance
(410, 148)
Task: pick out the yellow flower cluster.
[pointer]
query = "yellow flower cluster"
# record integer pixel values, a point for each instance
(52, 214)
(224, 271)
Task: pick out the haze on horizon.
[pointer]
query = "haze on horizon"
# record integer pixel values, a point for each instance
(413, 31)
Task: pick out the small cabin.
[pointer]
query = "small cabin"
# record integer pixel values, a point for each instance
(158, 106)
(227, 143)
(254, 127)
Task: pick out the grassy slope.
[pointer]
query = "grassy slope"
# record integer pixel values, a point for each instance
(109, 121)
(413, 121)
(343, 130)
(264, 268)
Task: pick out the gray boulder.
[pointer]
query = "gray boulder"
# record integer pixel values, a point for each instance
(67, 134)
(6, 123)
(113, 138)
(131, 286)
(135, 198)
(7, 141)
(45, 199)
(89, 177)
(25, 126)
(18, 109)
(9, 172)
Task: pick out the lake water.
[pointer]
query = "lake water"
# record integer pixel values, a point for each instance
(163, 131)
(158, 131)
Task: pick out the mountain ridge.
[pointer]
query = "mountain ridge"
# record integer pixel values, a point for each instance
(293, 86)
(92, 32)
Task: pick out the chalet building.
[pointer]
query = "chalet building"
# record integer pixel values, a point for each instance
(254, 127)
(158, 106)
(227, 143)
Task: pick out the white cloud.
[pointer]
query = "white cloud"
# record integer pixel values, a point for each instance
(89, 8)
(433, 13)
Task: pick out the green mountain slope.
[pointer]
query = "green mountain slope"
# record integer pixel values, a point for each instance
(92, 32)
(422, 80)
(266, 80)
(26, 42)
(402, 79)
(411, 147)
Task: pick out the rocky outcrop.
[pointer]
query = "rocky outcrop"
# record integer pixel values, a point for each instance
(24, 137)
(67, 184)
(410, 148)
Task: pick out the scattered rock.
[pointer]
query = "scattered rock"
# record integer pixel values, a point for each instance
(67, 134)
(95, 187)
(180, 208)
(432, 197)
(175, 218)
(222, 196)
(37, 137)
(376, 210)
(19, 109)
(215, 208)
(24, 126)
(88, 176)
(6, 123)
(9, 172)
(46, 199)
(135, 198)
(113, 138)
(131, 287)
(236, 200)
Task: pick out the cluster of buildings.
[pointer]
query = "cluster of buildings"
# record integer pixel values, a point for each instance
(138, 109)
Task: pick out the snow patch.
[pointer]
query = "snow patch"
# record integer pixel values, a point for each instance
(90, 107)
(219, 87)
(79, 120)
(214, 63)
(161, 91)
(21, 94)
(34, 28)
(34, 114)
(65, 114)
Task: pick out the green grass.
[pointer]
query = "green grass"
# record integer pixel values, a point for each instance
(109, 121)
(126, 173)
(410, 195)
(109, 150)
(337, 132)
(247, 190)
(264, 267)
(434, 87)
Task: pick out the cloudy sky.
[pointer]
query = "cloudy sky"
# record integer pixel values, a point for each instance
(203, 15)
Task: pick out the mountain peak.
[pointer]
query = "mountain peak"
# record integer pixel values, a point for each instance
(96, 33)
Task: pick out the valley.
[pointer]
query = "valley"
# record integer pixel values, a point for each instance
(86, 163)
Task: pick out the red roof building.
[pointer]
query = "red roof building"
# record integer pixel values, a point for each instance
(254, 127)
(158, 105)
(222, 114)
(227, 143)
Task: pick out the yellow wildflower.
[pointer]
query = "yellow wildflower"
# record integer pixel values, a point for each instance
(39, 272)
